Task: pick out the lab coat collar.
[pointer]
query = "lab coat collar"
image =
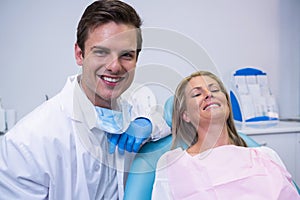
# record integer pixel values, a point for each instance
(88, 112)
(75, 103)
(66, 97)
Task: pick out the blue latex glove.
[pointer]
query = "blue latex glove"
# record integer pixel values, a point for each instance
(138, 131)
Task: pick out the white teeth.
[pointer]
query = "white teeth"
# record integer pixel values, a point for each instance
(114, 80)
(212, 106)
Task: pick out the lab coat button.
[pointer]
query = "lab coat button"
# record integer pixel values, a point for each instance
(96, 167)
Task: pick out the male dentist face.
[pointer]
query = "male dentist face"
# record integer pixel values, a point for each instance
(108, 62)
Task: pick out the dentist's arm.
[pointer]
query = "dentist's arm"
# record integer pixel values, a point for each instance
(144, 106)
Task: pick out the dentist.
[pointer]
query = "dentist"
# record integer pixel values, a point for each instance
(65, 148)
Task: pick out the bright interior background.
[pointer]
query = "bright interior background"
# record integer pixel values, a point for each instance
(37, 40)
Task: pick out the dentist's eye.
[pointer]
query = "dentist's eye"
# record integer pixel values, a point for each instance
(100, 52)
(128, 55)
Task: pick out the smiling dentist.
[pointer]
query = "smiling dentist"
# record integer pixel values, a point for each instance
(64, 149)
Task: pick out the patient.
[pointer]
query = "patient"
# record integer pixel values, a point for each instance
(216, 163)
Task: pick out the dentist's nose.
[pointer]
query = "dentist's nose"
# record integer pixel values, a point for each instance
(114, 65)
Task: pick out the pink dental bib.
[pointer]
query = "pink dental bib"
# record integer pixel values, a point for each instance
(229, 172)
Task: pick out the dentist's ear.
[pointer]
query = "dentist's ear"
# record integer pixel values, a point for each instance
(78, 55)
(186, 117)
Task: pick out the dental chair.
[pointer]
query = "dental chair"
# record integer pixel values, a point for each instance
(142, 172)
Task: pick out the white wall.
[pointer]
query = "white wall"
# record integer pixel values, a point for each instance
(37, 39)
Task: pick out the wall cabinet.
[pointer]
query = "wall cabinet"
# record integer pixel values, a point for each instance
(284, 138)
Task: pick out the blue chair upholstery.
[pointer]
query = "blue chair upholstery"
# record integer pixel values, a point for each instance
(142, 173)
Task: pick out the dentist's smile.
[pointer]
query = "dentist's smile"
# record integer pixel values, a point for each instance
(112, 81)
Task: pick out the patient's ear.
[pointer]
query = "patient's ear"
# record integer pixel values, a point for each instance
(186, 117)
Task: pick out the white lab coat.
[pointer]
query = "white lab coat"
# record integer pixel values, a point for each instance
(56, 153)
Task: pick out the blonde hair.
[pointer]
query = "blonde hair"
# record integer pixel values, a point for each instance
(185, 133)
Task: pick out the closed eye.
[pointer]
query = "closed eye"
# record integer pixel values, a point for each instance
(196, 95)
(214, 88)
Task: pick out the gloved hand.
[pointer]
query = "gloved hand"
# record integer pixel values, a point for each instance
(138, 131)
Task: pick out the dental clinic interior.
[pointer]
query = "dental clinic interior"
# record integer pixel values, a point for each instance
(252, 45)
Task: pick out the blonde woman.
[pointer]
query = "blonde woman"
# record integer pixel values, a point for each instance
(216, 163)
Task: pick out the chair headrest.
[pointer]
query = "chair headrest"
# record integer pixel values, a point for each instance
(168, 110)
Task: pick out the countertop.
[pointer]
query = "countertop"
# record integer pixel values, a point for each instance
(279, 127)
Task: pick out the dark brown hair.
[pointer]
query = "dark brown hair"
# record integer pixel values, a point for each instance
(105, 11)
